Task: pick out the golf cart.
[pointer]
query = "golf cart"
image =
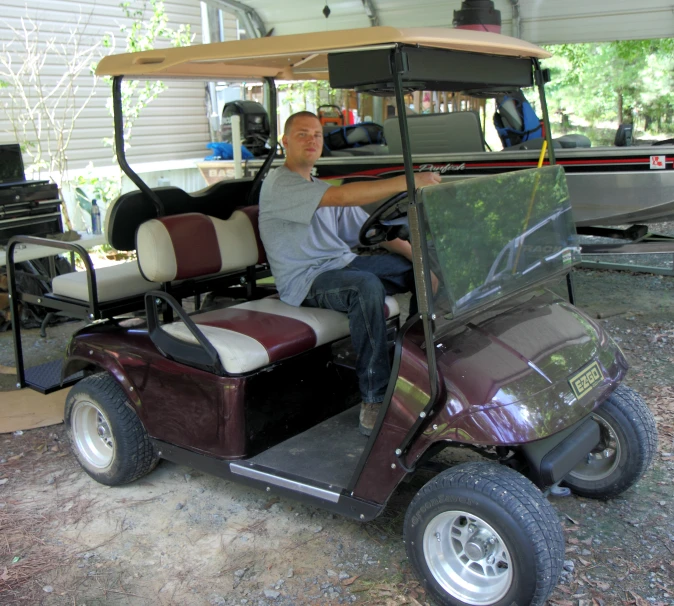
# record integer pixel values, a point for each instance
(264, 393)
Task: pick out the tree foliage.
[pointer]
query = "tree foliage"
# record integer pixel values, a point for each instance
(298, 96)
(629, 81)
(493, 235)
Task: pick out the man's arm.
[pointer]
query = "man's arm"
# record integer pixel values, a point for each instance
(366, 192)
(402, 247)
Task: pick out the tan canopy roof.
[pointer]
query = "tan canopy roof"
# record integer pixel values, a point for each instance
(300, 56)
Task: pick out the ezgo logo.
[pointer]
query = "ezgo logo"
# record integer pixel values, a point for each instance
(585, 380)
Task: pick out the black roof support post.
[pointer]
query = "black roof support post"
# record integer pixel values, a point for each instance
(540, 79)
(422, 274)
(118, 117)
(273, 143)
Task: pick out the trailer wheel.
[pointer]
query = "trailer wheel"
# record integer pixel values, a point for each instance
(629, 441)
(106, 435)
(482, 534)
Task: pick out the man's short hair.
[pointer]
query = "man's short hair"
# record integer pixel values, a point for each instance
(289, 122)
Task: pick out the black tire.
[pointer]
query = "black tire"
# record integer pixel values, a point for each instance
(106, 435)
(629, 443)
(523, 535)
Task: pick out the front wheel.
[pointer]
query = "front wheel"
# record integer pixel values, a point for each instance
(481, 534)
(629, 441)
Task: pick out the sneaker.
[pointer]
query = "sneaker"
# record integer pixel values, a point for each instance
(368, 416)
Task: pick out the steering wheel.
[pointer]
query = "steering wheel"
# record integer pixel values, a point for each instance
(373, 231)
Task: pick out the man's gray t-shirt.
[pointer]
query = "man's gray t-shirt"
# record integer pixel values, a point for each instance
(302, 240)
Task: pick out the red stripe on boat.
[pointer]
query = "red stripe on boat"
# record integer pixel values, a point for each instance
(373, 172)
(186, 231)
(282, 337)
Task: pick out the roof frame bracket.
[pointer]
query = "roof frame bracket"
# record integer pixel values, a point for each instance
(371, 12)
(248, 16)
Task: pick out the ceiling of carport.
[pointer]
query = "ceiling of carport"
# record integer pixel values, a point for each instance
(541, 21)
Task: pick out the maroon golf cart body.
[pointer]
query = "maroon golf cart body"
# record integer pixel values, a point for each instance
(264, 393)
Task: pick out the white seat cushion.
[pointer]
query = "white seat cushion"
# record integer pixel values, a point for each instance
(251, 335)
(113, 282)
(191, 245)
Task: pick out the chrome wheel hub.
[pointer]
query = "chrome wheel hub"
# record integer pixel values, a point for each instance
(92, 435)
(468, 558)
(602, 461)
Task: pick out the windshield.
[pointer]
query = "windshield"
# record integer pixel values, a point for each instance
(489, 237)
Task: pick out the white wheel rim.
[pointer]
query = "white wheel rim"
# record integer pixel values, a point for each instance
(600, 463)
(91, 432)
(468, 558)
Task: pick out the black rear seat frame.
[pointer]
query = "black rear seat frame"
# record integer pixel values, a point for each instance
(93, 309)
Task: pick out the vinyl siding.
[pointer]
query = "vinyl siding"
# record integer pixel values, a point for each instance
(172, 127)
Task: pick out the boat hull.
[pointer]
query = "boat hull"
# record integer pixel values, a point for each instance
(608, 186)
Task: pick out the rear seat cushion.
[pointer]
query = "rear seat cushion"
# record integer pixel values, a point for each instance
(192, 245)
(113, 282)
(251, 335)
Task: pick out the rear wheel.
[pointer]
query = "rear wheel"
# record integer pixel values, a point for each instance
(629, 440)
(483, 535)
(106, 435)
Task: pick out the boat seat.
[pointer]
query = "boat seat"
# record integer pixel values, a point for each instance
(448, 133)
(250, 335)
(114, 282)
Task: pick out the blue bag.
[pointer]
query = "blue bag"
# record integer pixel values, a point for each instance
(529, 126)
(225, 151)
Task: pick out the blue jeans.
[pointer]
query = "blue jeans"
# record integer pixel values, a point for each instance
(359, 290)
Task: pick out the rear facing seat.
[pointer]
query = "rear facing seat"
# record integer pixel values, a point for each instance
(114, 282)
(120, 288)
(250, 335)
(125, 281)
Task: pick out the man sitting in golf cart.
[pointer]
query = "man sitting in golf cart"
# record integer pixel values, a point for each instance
(308, 228)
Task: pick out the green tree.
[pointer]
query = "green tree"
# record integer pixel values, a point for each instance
(629, 81)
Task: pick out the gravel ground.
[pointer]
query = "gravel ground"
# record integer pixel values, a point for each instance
(182, 537)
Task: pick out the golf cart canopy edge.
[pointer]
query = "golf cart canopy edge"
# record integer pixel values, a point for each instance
(301, 56)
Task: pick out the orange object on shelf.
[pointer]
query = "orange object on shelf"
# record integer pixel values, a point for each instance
(331, 114)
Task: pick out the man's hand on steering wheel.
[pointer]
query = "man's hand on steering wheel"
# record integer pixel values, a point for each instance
(426, 178)
(373, 231)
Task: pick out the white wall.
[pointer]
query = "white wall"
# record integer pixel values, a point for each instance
(172, 127)
(543, 21)
(553, 22)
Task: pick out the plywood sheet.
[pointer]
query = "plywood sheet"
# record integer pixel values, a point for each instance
(28, 409)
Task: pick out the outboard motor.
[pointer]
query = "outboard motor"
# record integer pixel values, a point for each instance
(623, 137)
(478, 15)
(255, 128)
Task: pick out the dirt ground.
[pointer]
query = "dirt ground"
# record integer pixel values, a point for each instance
(181, 537)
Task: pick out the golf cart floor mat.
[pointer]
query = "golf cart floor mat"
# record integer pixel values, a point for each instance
(327, 453)
(46, 378)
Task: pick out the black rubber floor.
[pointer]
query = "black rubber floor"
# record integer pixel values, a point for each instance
(46, 378)
(326, 453)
